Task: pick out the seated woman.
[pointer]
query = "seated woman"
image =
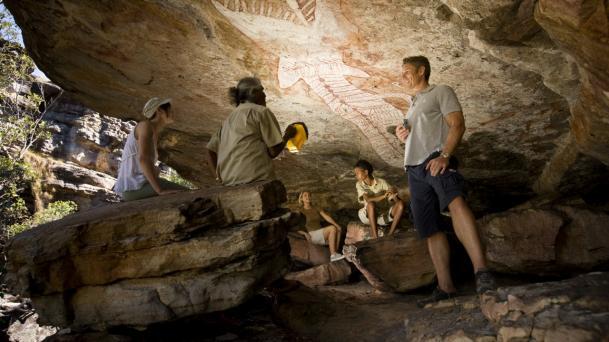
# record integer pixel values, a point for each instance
(329, 235)
(138, 175)
(241, 151)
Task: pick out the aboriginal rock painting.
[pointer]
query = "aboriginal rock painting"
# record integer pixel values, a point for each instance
(299, 32)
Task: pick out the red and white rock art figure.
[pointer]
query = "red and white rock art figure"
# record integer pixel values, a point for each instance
(304, 55)
(325, 74)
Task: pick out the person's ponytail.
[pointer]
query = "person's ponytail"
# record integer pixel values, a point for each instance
(233, 94)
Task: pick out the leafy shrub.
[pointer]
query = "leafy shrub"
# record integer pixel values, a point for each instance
(173, 176)
(54, 211)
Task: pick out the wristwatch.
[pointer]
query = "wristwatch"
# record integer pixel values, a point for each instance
(445, 155)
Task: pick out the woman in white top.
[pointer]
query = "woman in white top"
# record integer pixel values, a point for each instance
(138, 175)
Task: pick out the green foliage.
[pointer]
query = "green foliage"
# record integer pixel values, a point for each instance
(173, 176)
(8, 30)
(54, 211)
(21, 123)
(15, 177)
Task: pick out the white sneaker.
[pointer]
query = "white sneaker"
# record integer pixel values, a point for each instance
(336, 257)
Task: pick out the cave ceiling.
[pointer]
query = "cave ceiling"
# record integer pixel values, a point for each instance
(535, 102)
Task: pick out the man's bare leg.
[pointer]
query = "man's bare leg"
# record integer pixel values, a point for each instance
(396, 212)
(439, 251)
(371, 210)
(465, 228)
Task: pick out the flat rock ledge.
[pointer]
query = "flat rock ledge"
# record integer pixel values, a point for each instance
(153, 260)
(575, 309)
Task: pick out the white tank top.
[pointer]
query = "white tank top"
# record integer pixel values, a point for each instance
(130, 175)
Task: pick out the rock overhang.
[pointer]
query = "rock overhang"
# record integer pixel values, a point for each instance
(336, 67)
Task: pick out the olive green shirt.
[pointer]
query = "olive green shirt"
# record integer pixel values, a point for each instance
(242, 142)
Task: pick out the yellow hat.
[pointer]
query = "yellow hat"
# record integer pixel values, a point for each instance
(295, 144)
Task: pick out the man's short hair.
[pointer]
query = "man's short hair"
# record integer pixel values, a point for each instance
(419, 61)
(365, 165)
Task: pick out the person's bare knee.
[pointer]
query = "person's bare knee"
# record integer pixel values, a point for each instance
(458, 203)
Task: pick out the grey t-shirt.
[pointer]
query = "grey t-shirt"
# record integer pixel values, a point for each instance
(428, 130)
(241, 145)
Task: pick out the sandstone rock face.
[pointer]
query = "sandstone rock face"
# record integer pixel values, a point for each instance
(575, 310)
(516, 65)
(332, 273)
(398, 262)
(581, 28)
(84, 137)
(165, 258)
(80, 160)
(546, 240)
(67, 181)
(570, 310)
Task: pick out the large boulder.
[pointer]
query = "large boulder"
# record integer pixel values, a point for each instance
(398, 262)
(546, 240)
(165, 257)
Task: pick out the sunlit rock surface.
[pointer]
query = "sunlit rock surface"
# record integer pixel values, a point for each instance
(532, 78)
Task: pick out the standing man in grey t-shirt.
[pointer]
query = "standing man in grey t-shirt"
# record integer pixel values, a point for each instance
(435, 126)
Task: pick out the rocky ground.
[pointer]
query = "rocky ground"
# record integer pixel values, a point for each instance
(548, 310)
(207, 265)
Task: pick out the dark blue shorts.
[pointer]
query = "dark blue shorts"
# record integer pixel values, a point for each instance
(430, 195)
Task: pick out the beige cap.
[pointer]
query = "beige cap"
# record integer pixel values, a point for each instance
(153, 104)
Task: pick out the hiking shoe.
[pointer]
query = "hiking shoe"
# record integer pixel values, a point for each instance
(336, 257)
(485, 281)
(436, 296)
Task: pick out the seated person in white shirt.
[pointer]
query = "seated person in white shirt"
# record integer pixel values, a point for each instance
(382, 205)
